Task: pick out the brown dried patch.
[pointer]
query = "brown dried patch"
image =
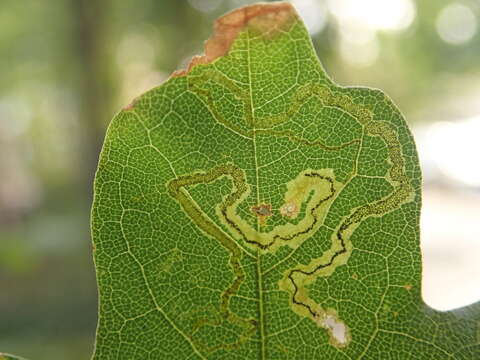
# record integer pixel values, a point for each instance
(266, 18)
(262, 211)
(354, 276)
(407, 287)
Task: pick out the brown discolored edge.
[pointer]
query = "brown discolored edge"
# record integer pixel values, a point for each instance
(265, 17)
(131, 105)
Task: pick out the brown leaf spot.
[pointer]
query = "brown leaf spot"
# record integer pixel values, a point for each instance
(262, 210)
(265, 18)
(354, 276)
(407, 287)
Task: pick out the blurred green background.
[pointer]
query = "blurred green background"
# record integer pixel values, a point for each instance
(68, 65)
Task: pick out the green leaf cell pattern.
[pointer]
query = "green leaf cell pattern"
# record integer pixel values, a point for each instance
(250, 208)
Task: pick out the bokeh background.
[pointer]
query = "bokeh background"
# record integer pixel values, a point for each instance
(68, 65)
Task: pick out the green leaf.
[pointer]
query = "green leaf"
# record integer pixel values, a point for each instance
(250, 208)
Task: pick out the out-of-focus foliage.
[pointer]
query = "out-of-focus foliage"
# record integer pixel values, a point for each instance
(68, 65)
(9, 357)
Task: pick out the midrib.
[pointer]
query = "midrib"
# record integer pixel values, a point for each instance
(259, 269)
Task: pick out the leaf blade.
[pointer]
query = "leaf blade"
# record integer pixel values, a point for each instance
(237, 214)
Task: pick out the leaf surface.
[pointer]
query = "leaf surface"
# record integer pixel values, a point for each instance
(250, 208)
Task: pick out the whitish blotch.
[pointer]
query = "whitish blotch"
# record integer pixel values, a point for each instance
(338, 331)
(289, 209)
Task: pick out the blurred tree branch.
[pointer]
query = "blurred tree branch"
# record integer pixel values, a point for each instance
(96, 81)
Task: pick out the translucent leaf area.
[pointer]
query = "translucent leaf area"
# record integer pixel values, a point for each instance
(250, 208)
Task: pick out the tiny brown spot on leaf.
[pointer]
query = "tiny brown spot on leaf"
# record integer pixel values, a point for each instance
(354, 276)
(283, 348)
(407, 287)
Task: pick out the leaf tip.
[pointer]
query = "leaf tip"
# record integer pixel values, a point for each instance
(264, 17)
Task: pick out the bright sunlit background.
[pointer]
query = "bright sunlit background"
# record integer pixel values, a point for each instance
(69, 65)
